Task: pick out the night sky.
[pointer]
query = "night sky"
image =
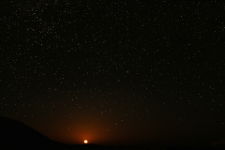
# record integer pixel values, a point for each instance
(115, 71)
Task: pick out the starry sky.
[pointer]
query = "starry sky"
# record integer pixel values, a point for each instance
(117, 71)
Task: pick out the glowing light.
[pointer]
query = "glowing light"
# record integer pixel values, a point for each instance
(85, 141)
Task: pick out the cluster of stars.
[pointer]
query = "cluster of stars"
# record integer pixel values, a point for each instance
(117, 61)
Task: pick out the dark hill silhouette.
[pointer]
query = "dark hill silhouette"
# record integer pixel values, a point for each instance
(14, 134)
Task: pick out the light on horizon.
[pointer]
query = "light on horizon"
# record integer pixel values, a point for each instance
(85, 141)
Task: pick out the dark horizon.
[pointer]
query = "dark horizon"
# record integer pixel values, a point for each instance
(119, 72)
(9, 122)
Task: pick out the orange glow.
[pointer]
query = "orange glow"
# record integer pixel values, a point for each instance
(94, 131)
(90, 130)
(85, 141)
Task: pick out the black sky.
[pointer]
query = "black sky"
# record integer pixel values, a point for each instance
(115, 71)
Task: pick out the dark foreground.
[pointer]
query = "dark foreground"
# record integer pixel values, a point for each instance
(15, 135)
(91, 147)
